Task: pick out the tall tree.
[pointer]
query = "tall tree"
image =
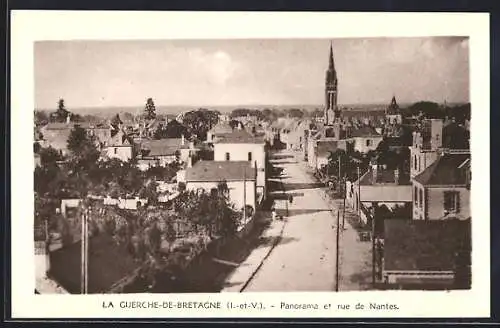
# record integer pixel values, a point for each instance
(150, 109)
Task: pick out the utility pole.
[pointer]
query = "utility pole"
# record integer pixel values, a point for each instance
(83, 278)
(244, 194)
(343, 208)
(337, 264)
(373, 244)
(359, 194)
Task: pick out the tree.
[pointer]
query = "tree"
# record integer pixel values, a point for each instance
(173, 129)
(49, 156)
(83, 148)
(200, 121)
(150, 109)
(116, 122)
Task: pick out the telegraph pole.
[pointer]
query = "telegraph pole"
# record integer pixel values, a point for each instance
(83, 254)
(244, 194)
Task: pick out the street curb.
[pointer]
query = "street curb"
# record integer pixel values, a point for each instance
(276, 241)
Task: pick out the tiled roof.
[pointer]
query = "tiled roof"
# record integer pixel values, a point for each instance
(445, 171)
(209, 171)
(240, 136)
(365, 131)
(84, 125)
(221, 128)
(108, 263)
(383, 176)
(325, 147)
(162, 147)
(411, 245)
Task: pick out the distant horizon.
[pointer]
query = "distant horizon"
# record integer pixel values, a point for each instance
(244, 106)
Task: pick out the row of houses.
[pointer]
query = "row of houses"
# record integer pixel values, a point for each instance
(421, 246)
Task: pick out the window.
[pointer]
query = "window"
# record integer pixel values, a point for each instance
(415, 162)
(452, 201)
(330, 133)
(249, 155)
(368, 142)
(415, 196)
(227, 157)
(421, 198)
(116, 150)
(419, 163)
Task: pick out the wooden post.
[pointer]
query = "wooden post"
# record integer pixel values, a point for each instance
(87, 252)
(82, 265)
(244, 194)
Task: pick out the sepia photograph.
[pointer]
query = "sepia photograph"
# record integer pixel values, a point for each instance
(252, 165)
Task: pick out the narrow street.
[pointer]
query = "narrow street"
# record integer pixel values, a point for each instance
(304, 258)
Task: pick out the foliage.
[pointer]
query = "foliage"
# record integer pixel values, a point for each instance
(235, 124)
(243, 112)
(150, 109)
(173, 129)
(83, 149)
(295, 112)
(61, 113)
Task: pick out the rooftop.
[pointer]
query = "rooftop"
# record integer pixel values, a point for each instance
(411, 245)
(446, 170)
(384, 176)
(108, 263)
(240, 136)
(210, 171)
(365, 131)
(69, 126)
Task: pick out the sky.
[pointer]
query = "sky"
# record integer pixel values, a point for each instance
(249, 72)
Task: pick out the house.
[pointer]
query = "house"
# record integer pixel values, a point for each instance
(158, 152)
(241, 145)
(240, 177)
(322, 143)
(378, 186)
(365, 139)
(120, 146)
(219, 130)
(296, 136)
(426, 254)
(442, 190)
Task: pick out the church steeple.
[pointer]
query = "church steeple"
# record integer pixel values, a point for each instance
(331, 110)
(331, 65)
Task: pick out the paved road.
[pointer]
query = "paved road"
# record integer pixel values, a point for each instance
(304, 260)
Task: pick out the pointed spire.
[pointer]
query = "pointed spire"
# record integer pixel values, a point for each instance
(331, 64)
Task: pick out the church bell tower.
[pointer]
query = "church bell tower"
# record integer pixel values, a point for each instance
(332, 113)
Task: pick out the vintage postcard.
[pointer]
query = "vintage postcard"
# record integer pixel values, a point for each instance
(249, 165)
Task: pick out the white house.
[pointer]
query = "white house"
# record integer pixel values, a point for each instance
(240, 145)
(239, 176)
(159, 152)
(365, 139)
